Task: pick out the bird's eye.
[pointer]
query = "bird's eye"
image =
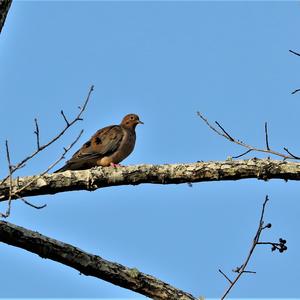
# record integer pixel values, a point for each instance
(131, 118)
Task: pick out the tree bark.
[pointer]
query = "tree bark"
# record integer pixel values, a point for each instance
(92, 179)
(4, 8)
(89, 264)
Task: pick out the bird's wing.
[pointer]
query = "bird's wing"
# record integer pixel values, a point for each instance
(103, 143)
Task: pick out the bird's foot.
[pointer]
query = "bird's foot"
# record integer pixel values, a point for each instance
(115, 165)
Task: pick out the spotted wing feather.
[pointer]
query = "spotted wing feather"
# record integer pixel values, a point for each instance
(103, 143)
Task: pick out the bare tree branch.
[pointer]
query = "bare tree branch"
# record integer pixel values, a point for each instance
(65, 118)
(242, 269)
(266, 135)
(226, 135)
(18, 191)
(41, 148)
(296, 53)
(295, 91)
(4, 8)
(37, 133)
(95, 178)
(244, 153)
(7, 213)
(15, 193)
(229, 280)
(33, 205)
(89, 264)
(291, 154)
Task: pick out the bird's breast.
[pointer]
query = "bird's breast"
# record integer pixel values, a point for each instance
(126, 146)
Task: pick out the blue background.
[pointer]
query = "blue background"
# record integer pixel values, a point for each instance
(163, 61)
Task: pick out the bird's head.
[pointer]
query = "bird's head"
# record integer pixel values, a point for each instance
(130, 121)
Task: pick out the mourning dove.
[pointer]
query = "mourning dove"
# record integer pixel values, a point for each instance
(107, 147)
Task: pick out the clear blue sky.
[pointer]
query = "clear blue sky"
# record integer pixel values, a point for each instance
(163, 61)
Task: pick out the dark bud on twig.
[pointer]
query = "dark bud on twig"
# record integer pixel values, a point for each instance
(282, 245)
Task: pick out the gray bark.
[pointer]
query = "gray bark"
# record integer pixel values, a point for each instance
(263, 169)
(89, 264)
(4, 8)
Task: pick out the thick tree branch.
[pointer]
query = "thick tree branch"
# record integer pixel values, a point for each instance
(4, 8)
(96, 178)
(89, 264)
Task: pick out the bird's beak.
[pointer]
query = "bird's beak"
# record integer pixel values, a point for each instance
(140, 122)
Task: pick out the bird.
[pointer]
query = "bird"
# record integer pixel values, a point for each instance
(107, 147)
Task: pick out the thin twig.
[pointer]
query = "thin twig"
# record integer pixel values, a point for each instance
(225, 276)
(8, 156)
(250, 272)
(32, 205)
(296, 53)
(267, 243)
(68, 125)
(266, 135)
(291, 154)
(7, 213)
(241, 270)
(244, 153)
(226, 135)
(66, 120)
(16, 193)
(210, 126)
(51, 166)
(281, 246)
(295, 91)
(37, 132)
(238, 270)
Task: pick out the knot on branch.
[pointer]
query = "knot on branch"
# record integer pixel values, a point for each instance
(267, 171)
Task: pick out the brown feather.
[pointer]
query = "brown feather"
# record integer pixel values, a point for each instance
(109, 145)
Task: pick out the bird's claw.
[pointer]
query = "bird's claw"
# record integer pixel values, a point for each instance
(115, 165)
